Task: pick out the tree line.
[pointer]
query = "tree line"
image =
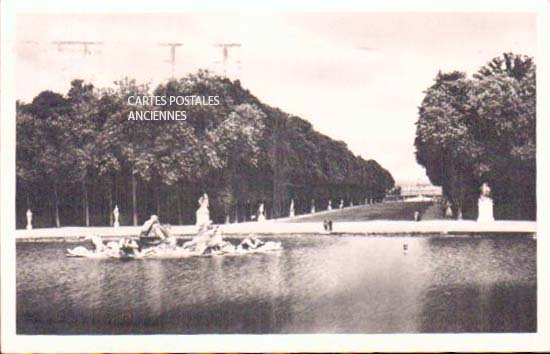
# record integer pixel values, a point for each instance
(78, 156)
(479, 129)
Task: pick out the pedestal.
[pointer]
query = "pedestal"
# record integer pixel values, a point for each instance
(485, 210)
(203, 216)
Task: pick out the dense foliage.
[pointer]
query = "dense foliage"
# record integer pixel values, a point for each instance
(78, 156)
(482, 129)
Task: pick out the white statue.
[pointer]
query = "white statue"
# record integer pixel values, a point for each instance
(29, 219)
(351, 203)
(313, 206)
(449, 212)
(261, 213)
(341, 206)
(203, 213)
(116, 214)
(291, 212)
(329, 207)
(485, 204)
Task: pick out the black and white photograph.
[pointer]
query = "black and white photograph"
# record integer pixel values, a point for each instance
(274, 173)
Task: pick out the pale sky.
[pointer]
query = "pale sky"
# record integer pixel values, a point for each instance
(307, 64)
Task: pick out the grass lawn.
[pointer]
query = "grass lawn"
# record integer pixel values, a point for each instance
(381, 211)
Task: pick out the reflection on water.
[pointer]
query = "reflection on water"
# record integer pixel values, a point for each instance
(480, 286)
(317, 284)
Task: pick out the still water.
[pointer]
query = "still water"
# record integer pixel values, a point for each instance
(317, 284)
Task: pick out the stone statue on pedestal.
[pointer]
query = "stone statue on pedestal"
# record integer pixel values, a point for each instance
(291, 212)
(329, 207)
(485, 204)
(29, 219)
(203, 213)
(313, 206)
(341, 206)
(448, 211)
(261, 212)
(116, 214)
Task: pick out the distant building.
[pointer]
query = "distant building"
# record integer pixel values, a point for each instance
(414, 190)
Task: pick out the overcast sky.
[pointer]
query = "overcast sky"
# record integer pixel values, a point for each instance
(357, 77)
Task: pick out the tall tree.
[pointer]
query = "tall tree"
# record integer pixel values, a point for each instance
(478, 130)
(237, 140)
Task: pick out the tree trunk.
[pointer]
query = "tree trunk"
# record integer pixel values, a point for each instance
(277, 176)
(178, 201)
(56, 206)
(28, 198)
(232, 181)
(157, 199)
(134, 199)
(85, 204)
(110, 208)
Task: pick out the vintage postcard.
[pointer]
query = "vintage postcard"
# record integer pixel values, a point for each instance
(332, 178)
